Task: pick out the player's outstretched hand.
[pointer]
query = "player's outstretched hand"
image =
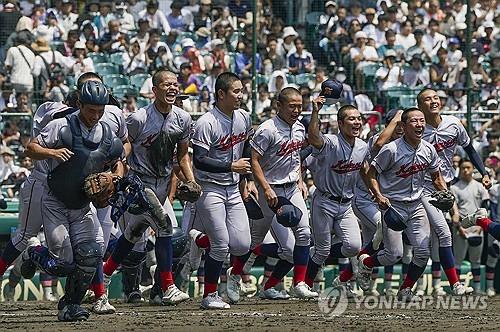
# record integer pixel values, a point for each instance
(317, 103)
(383, 202)
(62, 154)
(241, 166)
(271, 197)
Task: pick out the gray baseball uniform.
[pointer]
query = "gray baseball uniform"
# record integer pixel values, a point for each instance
(279, 145)
(153, 136)
(469, 197)
(220, 207)
(363, 205)
(65, 228)
(445, 138)
(335, 169)
(402, 170)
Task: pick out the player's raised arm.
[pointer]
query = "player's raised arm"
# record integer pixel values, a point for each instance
(314, 135)
(386, 134)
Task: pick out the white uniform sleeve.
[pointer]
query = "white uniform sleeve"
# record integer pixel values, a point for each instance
(328, 145)
(463, 137)
(383, 160)
(134, 126)
(49, 136)
(122, 127)
(186, 133)
(261, 140)
(202, 135)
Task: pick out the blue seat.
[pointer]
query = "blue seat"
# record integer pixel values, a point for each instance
(304, 79)
(113, 81)
(137, 80)
(98, 57)
(104, 69)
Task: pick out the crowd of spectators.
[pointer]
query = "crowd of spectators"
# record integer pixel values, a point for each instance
(373, 47)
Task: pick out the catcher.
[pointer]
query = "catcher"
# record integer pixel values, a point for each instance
(75, 149)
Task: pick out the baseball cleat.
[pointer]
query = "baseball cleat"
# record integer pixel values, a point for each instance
(364, 276)
(134, 297)
(273, 294)
(459, 289)
(247, 288)
(72, 313)
(89, 297)
(213, 302)
(102, 306)
(233, 286)
(419, 292)
(302, 291)
(470, 220)
(28, 268)
(490, 292)
(438, 291)
(344, 287)
(48, 295)
(173, 296)
(406, 295)
(155, 295)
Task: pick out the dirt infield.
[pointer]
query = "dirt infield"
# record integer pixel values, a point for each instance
(252, 314)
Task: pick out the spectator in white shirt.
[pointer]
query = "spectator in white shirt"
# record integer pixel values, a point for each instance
(155, 17)
(391, 74)
(134, 61)
(126, 19)
(46, 61)
(79, 62)
(416, 75)
(356, 13)
(67, 19)
(19, 61)
(263, 99)
(405, 37)
(369, 27)
(383, 23)
(434, 40)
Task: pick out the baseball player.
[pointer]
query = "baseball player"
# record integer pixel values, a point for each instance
(396, 178)
(68, 220)
(470, 195)
(335, 169)
(220, 154)
(154, 132)
(276, 147)
(445, 132)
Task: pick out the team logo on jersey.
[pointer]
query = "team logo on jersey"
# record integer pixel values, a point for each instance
(148, 141)
(346, 166)
(407, 170)
(228, 141)
(440, 146)
(289, 147)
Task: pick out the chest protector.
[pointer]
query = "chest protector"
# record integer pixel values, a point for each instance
(66, 180)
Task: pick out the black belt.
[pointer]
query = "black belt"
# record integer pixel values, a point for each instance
(337, 199)
(284, 185)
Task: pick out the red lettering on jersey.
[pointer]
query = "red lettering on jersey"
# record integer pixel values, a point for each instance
(346, 166)
(407, 170)
(440, 146)
(149, 140)
(228, 141)
(288, 147)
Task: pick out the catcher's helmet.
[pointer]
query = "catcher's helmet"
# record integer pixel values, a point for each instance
(94, 93)
(287, 214)
(394, 220)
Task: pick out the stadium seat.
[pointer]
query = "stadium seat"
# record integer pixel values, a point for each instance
(262, 79)
(290, 78)
(138, 80)
(407, 101)
(54, 45)
(121, 90)
(142, 102)
(106, 69)
(113, 81)
(304, 79)
(98, 57)
(116, 59)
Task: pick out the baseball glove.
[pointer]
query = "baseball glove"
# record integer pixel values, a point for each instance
(100, 187)
(443, 200)
(188, 191)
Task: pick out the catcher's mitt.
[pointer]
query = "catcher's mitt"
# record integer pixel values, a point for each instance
(100, 187)
(443, 200)
(188, 191)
